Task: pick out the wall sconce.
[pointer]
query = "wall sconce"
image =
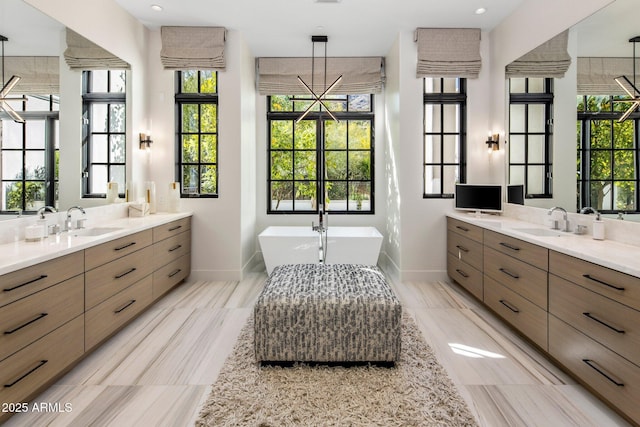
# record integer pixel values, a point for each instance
(145, 141)
(493, 143)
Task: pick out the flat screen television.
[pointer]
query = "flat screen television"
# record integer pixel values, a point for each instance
(479, 198)
(515, 194)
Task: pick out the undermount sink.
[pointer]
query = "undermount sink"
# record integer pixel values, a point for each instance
(539, 232)
(94, 231)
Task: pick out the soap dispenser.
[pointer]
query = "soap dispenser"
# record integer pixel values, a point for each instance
(598, 228)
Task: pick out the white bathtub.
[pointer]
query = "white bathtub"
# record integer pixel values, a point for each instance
(301, 245)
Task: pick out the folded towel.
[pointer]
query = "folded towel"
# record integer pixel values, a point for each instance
(138, 209)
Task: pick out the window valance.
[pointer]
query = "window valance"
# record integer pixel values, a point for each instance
(596, 75)
(39, 75)
(193, 48)
(448, 52)
(549, 60)
(279, 76)
(84, 54)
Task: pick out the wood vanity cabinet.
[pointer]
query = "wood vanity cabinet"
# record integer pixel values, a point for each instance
(464, 255)
(171, 254)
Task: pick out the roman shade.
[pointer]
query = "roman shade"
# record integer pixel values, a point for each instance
(83, 54)
(549, 60)
(39, 75)
(448, 52)
(596, 75)
(193, 48)
(279, 76)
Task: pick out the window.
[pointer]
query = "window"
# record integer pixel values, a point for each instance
(29, 154)
(445, 102)
(104, 131)
(299, 154)
(607, 155)
(530, 135)
(197, 124)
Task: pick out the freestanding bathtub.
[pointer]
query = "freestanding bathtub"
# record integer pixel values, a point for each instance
(300, 245)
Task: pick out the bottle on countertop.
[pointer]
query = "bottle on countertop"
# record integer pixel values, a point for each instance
(598, 228)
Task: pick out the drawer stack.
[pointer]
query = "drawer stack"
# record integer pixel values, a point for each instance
(464, 255)
(171, 254)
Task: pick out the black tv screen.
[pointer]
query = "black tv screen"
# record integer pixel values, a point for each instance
(479, 198)
(515, 194)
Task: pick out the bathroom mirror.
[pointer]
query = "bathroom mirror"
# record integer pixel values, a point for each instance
(32, 33)
(604, 34)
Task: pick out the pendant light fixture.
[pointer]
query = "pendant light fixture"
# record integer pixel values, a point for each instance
(630, 88)
(6, 88)
(315, 98)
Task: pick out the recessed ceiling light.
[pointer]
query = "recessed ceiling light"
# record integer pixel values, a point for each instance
(480, 10)
(156, 7)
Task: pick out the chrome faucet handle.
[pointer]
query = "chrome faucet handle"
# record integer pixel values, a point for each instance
(80, 223)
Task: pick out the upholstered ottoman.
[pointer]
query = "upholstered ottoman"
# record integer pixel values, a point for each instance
(327, 313)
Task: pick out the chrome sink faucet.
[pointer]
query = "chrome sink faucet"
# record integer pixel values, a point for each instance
(320, 227)
(43, 209)
(564, 218)
(79, 223)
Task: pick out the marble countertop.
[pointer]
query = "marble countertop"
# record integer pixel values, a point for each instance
(21, 254)
(608, 253)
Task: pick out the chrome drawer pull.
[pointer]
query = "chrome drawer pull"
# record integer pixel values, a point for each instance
(40, 365)
(588, 276)
(42, 276)
(594, 366)
(16, 329)
(127, 305)
(508, 305)
(177, 227)
(592, 317)
(462, 273)
(462, 228)
(121, 275)
(175, 248)
(509, 246)
(128, 245)
(508, 273)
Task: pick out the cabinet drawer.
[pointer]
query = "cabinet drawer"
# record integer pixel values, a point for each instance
(170, 275)
(610, 283)
(612, 324)
(161, 232)
(464, 228)
(30, 318)
(23, 373)
(109, 279)
(467, 276)
(519, 249)
(108, 316)
(520, 277)
(171, 249)
(465, 249)
(106, 252)
(525, 316)
(611, 376)
(19, 284)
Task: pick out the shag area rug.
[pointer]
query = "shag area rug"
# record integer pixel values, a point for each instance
(416, 392)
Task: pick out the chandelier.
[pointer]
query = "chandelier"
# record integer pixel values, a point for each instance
(6, 88)
(630, 88)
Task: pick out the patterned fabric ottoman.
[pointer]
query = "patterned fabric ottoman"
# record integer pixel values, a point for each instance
(327, 313)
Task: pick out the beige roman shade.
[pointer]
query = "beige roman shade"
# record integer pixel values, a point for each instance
(193, 48)
(39, 75)
(279, 76)
(83, 54)
(549, 60)
(596, 75)
(448, 52)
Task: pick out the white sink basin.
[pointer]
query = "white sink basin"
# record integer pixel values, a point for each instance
(539, 232)
(94, 231)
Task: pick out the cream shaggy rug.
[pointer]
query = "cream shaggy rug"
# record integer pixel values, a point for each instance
(416, 392)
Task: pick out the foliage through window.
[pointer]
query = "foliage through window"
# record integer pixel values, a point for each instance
(607, 155)
(530, 135)
(301, 153)
(30, 159)
(444, 161)
(197, 124)
(104, 131)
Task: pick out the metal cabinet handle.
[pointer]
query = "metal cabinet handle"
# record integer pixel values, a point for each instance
(588, 276)
(508, 273)
(465, 229)
(35, 319)
(124, 307)
(31, 371)
(602, 322)
(462, 273)
(462, 248)
(128, 245)
(593, 365)
(175, 272)
(509, 246)
(42, 276)
(177, 227)
(509, 306)
(121, 275)
(175, 248)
